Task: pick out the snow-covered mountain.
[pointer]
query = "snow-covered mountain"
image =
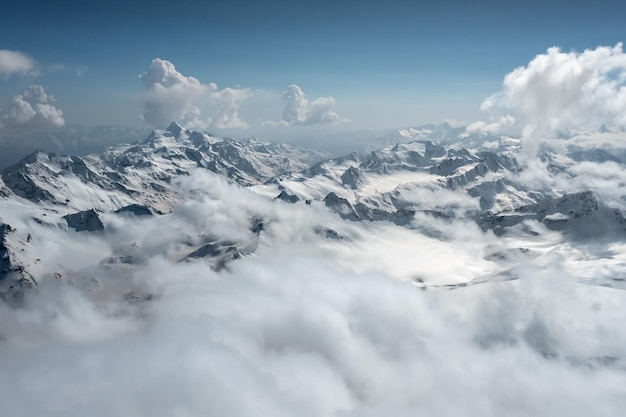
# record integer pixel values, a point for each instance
(183, 252)
(73, 193)
(444, 134)
(141, 172)
(445, 181)
(69, 139)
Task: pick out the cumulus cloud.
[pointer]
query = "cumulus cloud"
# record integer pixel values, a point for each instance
(32, 108)
(172, 96)
(15, 62)
(557, 91)
(227, 102)
(300, 111)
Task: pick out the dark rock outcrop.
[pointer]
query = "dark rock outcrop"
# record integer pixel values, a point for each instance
(352, 178)
(87, 220)
(289, 198)
(136, 209)
(14, 279)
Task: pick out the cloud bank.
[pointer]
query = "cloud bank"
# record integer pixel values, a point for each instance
(32, 108)
(172, 96)
(289, 332)
(558, 91)
(300, 111)
(15, 62)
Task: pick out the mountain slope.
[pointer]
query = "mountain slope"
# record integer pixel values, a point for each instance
(142, 172)
(118, 210)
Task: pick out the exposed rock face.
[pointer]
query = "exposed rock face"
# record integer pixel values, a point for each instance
(21, 179)
(580, 214)
(219, 253)
(87, 220)
(14, 279)
(257, 225)
(5, 258)
(352, 178)
(328, 233)
(341, 206)
(289, 198)
(136, 209)
(594, 155)
(360, 211)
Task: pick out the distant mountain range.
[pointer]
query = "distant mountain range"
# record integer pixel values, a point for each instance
(70, 140)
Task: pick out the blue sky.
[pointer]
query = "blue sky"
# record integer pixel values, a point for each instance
(386, 64)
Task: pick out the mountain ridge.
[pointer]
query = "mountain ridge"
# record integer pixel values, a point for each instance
(396, 184)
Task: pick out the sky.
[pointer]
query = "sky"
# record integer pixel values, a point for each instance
(250, 68)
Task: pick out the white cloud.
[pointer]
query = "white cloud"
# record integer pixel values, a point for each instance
(503, 123)
(559, 90)
(227, 102)
(172, 96)
(293, 331)
(32, 108)
(15, 62)
(300, 111)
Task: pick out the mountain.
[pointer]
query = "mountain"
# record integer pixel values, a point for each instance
(69, 140)
(581, 214)
(185, 257)
(151, 187)
(141, 172)
(445, 134)
(135, 179)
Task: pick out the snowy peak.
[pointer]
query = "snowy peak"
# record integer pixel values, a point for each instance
(446, 134)
(352, 178)
(580, 214)
(175, 129)
(142, 173)
(396, 182)
(405, 184)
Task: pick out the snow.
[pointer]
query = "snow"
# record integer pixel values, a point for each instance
(380, 184)
(438, 286)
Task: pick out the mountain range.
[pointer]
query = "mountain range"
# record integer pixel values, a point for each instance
(477, 180)
(189, 274)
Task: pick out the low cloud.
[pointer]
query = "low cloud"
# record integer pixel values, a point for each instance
(32, 108)
(15, 62)
(309, 325)
(293, 331)
(300, 111)
(497, 126)
(172, 96)
(558, 91)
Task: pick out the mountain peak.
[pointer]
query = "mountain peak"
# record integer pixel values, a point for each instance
(31, 158)
(175, 129)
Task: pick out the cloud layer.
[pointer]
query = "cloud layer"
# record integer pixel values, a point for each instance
(172, 96)
(290, 332)
(300, 111)
(311, 325)
(558, 91)
(15, 62)
(32, 108)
